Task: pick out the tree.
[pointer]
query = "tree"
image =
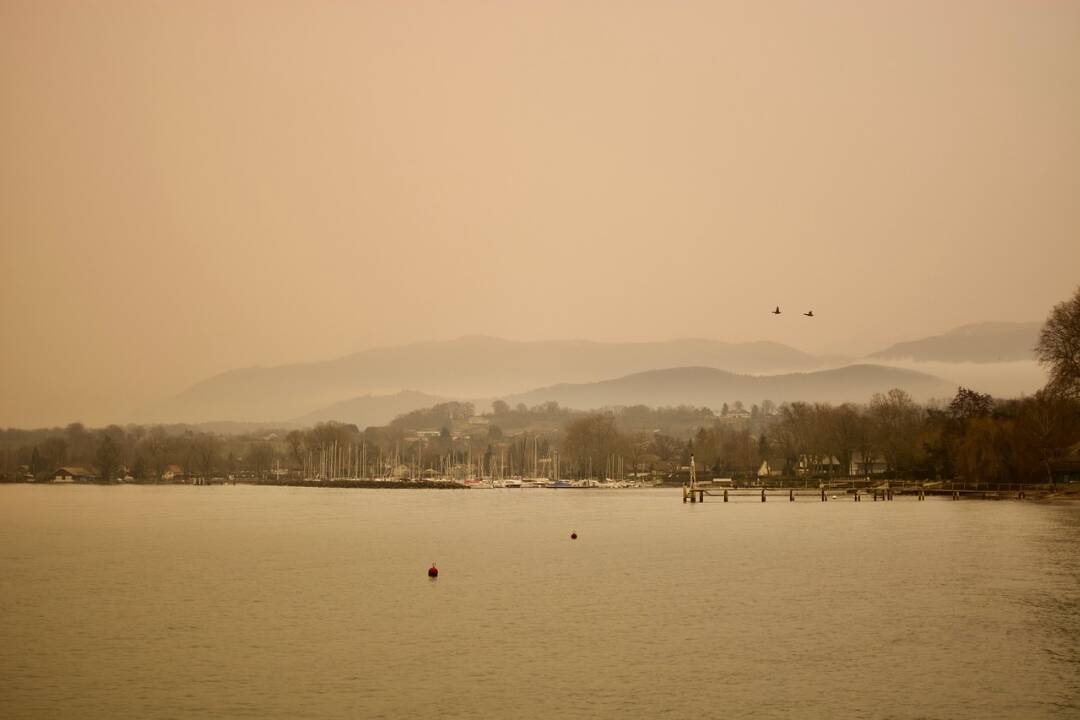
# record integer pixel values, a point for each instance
(260, 455)
(591, 440)
(968, 404)
(55, 451)
(155, 447)
(108, 457)
(1059, 347)
(206, 449)
(846, 434)
(981, 455)
(295, 439)
(896, 423)
(499, 407)
(1048, 423)
(37, 463)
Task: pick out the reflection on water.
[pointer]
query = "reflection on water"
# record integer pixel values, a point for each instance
(183, 602)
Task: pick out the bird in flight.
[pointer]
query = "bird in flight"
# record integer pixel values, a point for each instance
(809, 314)
(776, 311)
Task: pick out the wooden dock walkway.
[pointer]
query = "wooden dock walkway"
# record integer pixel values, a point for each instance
(695, 493)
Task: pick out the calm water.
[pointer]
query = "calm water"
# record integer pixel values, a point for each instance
(185, 602)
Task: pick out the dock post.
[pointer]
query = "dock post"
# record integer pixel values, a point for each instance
(856, 495)
(684, 493)
(725, 494)
(762, 494)
(791, 495)
(822, 494)
(701, 496)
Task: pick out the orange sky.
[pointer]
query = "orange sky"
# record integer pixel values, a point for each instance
(187, 187)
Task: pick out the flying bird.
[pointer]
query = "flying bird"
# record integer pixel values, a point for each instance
(776, 311)
(809, 314)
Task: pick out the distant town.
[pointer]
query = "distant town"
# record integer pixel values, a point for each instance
(973, 437)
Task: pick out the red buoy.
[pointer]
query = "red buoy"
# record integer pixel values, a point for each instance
(573, 536)
(433, 572)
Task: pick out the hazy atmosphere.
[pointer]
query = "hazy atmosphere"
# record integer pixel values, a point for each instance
(189, 188)
(509, 359)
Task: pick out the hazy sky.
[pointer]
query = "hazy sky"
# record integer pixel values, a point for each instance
(187, 187)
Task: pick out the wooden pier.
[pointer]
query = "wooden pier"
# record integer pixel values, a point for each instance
(886, 492)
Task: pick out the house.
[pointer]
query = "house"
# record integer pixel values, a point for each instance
(73, 474)
(1067, 467)
(734, 415)
(173, 473)
(819, 464)
(875, 466)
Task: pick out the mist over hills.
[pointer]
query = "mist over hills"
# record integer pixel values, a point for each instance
(369, 410)
(712, 387)
(989, 342)
(366, 388)
(466, 367)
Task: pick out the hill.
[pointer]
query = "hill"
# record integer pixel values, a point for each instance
(711, 387)
(370, 409)
(991, 342)
(465, 367)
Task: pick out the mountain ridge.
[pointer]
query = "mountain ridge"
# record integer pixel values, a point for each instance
(987, 342)
(712, 387)
(471, 366)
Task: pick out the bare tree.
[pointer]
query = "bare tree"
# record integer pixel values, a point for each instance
(1048, 423)
(155, 450)
(206, 450)
(1059, 347)
(108, 457)
(260, 456)
(896, 419)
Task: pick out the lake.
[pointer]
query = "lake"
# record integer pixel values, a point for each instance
(276, 602)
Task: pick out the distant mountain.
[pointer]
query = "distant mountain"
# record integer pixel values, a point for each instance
(703, 386)
(990, 342)
(369, 410)
(466, 367)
